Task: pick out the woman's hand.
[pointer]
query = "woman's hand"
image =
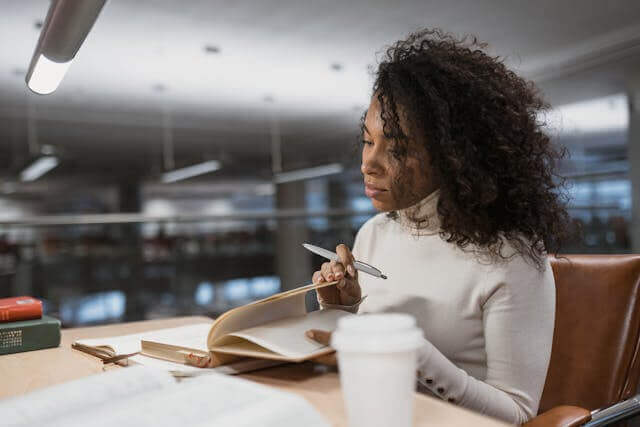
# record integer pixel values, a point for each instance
(323, 337)
(347, 290)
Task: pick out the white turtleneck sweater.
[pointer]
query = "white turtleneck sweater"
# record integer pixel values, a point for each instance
(488, 324)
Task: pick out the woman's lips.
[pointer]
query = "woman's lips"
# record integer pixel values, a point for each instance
(372, 191)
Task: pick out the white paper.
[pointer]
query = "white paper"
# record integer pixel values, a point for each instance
(190, 336)
(163, 365)
(287, 336)
(209, 400)
(41, 406)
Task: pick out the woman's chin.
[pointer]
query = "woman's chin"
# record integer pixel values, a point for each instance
(381, 205)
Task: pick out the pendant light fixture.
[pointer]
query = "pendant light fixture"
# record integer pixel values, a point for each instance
(67, 24)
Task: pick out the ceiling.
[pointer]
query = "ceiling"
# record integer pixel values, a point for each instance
(145, 69)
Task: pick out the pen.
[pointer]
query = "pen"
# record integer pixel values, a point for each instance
(359, 265)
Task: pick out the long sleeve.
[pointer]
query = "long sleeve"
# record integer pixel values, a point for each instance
(518, 318)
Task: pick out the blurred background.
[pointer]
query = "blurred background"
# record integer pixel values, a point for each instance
(99, 219)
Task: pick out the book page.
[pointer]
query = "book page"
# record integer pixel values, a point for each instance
(42, 406)
(256, 314)
(279, 306)
(141, 396)
(190, 336)
(287, 336)
(175, 368)
(207, 400)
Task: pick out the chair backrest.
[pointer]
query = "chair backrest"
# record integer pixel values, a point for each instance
(595, 358)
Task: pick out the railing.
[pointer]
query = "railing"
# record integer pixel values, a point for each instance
(133, 218)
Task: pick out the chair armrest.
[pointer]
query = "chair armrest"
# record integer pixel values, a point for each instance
(561, 416)
(617, 412)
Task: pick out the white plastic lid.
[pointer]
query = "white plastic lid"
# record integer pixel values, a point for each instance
(377, 333)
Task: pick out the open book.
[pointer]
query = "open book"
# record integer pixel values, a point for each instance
(141, 396)
(272, 328)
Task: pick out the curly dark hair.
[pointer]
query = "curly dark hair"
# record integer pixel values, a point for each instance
(480, 125)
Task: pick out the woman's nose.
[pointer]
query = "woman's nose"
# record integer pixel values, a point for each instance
(370, 164)
(366, 168)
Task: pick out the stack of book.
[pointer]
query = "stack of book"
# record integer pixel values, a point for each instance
(24, 328)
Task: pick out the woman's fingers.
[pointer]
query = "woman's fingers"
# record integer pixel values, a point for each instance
(329, 294)
(317, 277)
(349, 294)
(323, 337)
(351, 288)
(337, 269)
(318, 335)
(327, 272)
(347, 290)
(327, 359)
(346, 259)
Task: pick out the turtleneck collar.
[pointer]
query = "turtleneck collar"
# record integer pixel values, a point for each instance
(425, 210)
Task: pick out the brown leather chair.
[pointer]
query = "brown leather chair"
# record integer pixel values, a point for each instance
(595, 361)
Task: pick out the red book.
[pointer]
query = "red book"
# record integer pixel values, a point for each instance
(20, 308)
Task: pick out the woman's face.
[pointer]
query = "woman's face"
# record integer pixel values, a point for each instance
(393, 184)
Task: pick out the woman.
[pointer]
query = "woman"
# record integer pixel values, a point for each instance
(456, 161)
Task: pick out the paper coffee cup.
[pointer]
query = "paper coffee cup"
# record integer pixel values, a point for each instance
(377, 357)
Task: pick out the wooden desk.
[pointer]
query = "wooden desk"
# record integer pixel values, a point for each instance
(24, 372)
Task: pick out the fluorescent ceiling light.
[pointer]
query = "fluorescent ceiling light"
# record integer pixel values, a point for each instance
(8, 188)
(47, 75)
(38, 168)
(267, 189)
(607, 114)
(190, 171)
(67, 24)
(308, 173)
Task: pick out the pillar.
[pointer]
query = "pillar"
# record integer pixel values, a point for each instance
(293, 262)
(633, 147)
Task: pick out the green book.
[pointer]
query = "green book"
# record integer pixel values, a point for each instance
(28, 335)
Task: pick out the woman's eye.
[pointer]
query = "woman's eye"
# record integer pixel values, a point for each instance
(365, 142)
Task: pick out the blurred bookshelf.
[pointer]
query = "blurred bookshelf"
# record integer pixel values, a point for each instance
(102, 268)
(96, 269)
